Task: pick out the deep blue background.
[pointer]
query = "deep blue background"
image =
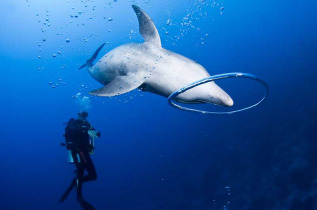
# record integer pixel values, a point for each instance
(152, 156)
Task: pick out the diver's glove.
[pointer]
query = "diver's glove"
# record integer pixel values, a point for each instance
(93, 134)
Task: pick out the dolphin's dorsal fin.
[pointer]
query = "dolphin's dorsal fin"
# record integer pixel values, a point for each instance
(147, 27)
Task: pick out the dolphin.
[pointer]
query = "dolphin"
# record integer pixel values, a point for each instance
(150, 67)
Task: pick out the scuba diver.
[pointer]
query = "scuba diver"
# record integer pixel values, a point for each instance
(79, 137)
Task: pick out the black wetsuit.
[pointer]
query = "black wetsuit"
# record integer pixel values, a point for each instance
(84, 163)
(80, 148)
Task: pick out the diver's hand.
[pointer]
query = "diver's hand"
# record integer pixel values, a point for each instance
(98, 133)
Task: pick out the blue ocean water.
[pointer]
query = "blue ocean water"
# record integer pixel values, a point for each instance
(150, 155)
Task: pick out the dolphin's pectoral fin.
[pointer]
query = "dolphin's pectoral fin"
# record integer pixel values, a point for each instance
(147, 27)
(118, 86)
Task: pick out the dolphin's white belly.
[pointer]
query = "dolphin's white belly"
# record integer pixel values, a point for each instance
(161, 70)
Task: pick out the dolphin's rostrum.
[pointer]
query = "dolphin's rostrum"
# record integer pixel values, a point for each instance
(153, 68)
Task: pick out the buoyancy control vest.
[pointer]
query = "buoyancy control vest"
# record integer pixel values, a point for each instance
(76, 134)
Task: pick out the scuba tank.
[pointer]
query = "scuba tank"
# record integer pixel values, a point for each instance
(70, 158)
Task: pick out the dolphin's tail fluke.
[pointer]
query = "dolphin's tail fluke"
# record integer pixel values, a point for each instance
(82, 66)
(93, 57)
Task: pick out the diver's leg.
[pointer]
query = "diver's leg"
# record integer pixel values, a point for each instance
(86, 163)
(80, 165)
(74, 181)
(90, 167)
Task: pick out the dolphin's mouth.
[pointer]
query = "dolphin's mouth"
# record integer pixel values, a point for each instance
(222, 101)
(225, 103)
(191, 102)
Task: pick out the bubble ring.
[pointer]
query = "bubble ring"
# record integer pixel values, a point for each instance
(213, 78)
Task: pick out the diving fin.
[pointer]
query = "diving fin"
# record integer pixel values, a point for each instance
(69, 189)
(93, 57)
(119, 85)
(84, 204)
